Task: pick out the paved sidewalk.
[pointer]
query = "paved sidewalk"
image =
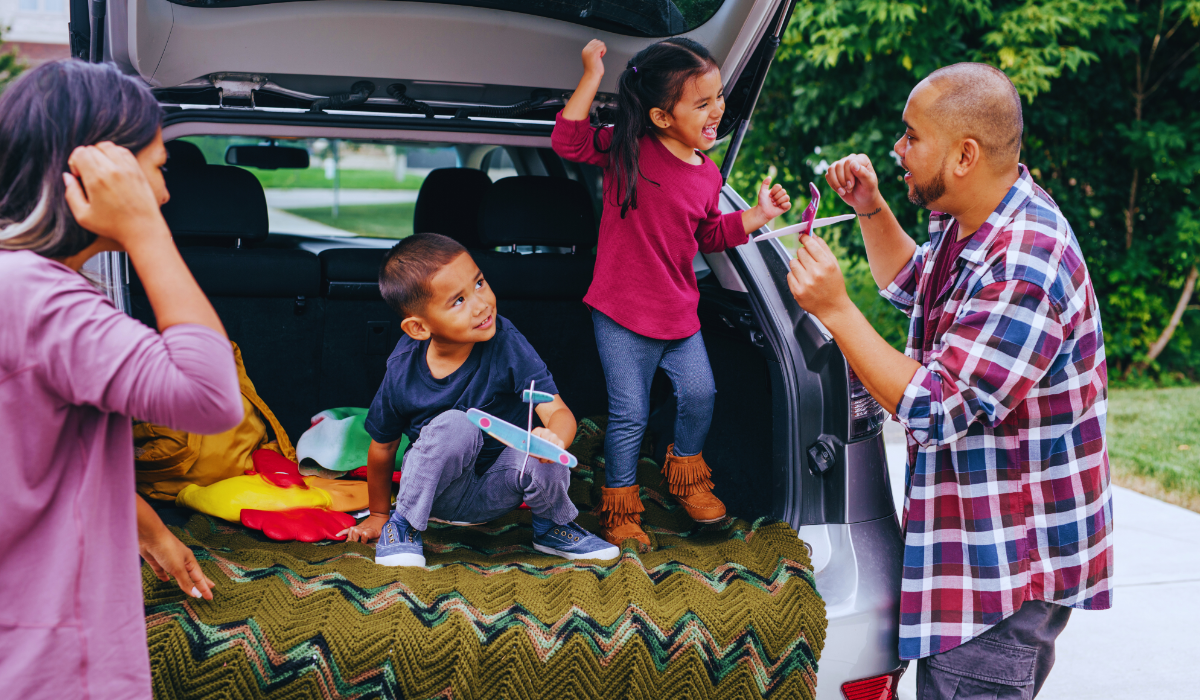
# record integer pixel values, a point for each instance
(1147, 645)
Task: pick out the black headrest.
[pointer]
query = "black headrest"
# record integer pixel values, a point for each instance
(183, 154)
(535, 210)
(215, 202)
(449, 202)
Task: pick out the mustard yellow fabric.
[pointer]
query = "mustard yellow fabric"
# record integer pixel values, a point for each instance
(167, 460)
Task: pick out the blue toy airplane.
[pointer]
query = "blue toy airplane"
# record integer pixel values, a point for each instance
(523, 440)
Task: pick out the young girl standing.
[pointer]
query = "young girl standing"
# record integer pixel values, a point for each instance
(661, 205)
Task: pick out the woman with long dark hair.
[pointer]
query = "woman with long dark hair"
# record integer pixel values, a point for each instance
(81, 154)
(661, 205)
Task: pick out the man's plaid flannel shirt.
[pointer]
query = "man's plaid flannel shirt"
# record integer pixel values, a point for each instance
(1008, 480)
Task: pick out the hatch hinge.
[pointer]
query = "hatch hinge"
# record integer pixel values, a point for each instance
(237, 86)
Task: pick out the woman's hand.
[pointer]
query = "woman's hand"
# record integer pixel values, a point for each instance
(367, 530)
(593, 55)
(110, 196)
(168, 557)
(550, 437)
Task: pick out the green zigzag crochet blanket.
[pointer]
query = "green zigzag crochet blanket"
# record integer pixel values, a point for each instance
(722, 611)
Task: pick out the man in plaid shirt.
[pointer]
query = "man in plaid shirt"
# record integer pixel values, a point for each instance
(1003, 390)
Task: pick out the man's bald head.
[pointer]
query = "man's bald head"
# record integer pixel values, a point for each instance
(978, 101)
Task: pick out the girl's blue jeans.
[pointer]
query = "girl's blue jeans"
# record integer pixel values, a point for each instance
(629, 362)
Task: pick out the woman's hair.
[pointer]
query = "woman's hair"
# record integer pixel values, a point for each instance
(44, 116)
(655, 77)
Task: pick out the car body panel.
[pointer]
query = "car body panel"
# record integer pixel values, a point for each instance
(290, 44)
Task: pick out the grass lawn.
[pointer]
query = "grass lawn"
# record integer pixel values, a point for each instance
(376, 220)
(1154, 442)
(350, 179)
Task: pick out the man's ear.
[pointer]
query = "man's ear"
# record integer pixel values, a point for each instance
(660, 118)
(415, 327)
(969, 157)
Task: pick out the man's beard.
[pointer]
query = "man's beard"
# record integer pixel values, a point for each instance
(931, 191)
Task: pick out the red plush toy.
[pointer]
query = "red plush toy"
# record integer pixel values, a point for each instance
(303, 524)
(277, 469)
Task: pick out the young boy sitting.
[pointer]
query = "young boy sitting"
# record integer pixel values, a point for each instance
(458, 353)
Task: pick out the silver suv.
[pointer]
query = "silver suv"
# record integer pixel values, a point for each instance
(475, 84)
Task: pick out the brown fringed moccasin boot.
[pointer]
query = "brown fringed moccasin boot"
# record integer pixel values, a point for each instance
(620, 515)
(688, 481)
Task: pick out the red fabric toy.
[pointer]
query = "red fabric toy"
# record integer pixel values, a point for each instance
(302, 524)
(277, 469)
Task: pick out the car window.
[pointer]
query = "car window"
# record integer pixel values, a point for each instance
(654, 18)
(350, 188)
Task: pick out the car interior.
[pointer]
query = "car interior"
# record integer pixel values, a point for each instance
(316, 334)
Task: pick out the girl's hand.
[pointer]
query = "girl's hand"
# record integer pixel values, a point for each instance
(168, 557)
(367, 530)
(593, 54)
(109, 195)
(550, 437)
(773, 201)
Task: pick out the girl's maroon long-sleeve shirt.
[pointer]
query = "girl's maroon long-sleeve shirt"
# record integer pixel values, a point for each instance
(644, 278)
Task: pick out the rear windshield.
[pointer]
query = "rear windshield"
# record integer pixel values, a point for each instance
(353, 188)
(654, 18)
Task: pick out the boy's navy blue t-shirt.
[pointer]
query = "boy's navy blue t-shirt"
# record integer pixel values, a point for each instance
(491, 380)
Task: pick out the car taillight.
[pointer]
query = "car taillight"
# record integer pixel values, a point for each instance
(873, 688)
(866, 415)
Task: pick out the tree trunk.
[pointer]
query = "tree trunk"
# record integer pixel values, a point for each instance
(1159, 345)
(1130, 211)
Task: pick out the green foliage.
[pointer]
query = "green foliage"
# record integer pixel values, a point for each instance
(11, 65)
(374, 220)
(348, 179)
(843, 74)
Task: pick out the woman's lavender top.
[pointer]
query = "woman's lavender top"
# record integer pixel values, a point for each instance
(73, 370)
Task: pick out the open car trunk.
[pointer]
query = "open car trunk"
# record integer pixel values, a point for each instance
(458, 58)
(730, 609)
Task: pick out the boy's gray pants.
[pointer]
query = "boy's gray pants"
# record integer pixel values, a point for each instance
(439, 479)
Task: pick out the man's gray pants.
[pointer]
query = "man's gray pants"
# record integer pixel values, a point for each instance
(439, 479)
(1008, 661)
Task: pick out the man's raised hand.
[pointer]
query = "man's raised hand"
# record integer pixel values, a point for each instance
(855, 181)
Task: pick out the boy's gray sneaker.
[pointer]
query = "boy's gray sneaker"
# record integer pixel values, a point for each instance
(573, 542)
(399, 544)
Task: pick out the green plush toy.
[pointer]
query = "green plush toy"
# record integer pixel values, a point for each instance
(337, 443)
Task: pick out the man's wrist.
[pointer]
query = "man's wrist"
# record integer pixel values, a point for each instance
(870, 211)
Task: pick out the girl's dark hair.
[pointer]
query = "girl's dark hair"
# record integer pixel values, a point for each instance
(44, 116)
(655, 77)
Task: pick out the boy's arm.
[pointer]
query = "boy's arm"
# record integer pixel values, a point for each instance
(381, 463)
(559, 421)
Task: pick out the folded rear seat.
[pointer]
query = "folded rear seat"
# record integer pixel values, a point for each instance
(267, 298)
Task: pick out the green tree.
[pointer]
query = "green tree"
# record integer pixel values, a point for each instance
(1111, 100)
(11, 65)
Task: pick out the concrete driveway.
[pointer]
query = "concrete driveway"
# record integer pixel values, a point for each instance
(1148, 644)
